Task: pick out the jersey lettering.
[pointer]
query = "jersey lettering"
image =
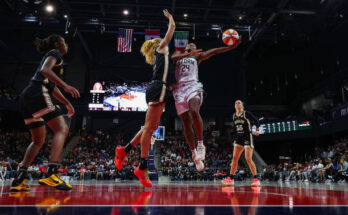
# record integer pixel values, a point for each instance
(186, 70)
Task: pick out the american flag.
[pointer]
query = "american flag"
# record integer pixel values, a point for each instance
(124, 40)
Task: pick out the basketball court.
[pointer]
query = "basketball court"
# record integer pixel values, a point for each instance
(95, 197)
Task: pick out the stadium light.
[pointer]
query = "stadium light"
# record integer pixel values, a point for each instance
(49, 8)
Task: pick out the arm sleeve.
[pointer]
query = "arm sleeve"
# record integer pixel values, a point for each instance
(253, 118)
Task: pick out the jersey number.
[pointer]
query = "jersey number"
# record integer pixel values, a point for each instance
(185, 68)
(239, 127)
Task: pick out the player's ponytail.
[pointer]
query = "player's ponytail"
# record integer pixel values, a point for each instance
(46, 44)
(148, 50)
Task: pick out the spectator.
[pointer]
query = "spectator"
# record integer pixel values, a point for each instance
(343, 170)
(2, 171)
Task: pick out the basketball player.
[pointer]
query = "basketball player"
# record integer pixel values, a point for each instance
(37, 109)
(157, 54)
(243, 140)
(188, 95)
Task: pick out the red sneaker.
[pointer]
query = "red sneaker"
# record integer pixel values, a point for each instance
(228, 190)
(228, 181)
(142, 201)
(120, 155)
(256, 183)
(143, 176)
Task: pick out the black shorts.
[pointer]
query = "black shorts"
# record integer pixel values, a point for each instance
(37, 106)
(246, 140)
(156, 92)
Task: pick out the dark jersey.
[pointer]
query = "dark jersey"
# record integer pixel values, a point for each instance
(163, 69)
(242, 125)
(57, 69)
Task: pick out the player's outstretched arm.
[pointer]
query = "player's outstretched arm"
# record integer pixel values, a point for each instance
(211, 52)
(177, 55)
(170, 32)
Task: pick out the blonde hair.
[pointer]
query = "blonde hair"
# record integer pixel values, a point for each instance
(148, 50)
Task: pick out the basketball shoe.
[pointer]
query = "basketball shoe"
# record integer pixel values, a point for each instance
(120, 155)
(143, 176)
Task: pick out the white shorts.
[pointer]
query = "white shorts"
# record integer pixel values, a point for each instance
(184, 93)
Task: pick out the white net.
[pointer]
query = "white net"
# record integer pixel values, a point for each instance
(153, 139)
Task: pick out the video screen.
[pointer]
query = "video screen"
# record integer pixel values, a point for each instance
(159, 133)
(278, 127)
(111, 96)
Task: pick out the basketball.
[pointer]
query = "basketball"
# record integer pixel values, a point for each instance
(97, 86)
(230, 36)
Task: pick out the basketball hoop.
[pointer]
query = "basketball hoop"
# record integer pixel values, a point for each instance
(153, 139)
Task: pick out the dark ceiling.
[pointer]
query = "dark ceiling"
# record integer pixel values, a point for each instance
(259, 18)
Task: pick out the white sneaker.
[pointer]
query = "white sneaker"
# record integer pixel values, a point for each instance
(306, 180)
(199, 165)
(194, 153)
(200, 152)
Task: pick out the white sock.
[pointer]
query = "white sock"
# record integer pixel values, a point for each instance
(200, 142)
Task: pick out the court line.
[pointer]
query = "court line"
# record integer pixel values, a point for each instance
(292, 206)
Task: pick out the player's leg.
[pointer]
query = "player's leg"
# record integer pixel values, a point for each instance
(60, 129)
(122, 151)
(152, 120)
(34, 103)
(194, 106)
(153, 116)
(248, 157)
(237, 152)
(38, 134)
(186, 120)
(183, 111)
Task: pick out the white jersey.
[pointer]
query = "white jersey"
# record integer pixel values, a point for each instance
(187, 85)
(186, 70)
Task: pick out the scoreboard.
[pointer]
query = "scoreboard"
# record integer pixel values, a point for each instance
(279, 127)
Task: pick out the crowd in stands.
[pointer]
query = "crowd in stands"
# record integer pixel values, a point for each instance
(176, 161)
(12, 148)
(117, 88)
(324, 165)
(92, 158)
(8, 93)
